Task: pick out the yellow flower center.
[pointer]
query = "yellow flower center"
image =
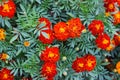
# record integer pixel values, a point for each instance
(6, 8)
(26, 43)
(5, 76)
(80, 64)
(111, 6)
(97, 26)
(89, 63)
(62, 30)
(51, 54)
(105, 41)
(48, 69)
(117, 15)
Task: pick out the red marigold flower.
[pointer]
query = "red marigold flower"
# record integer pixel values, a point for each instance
(75, 27)
(116, 18)
(90, 62)
(103, 41)
(61, 31)
(117, 40)
(79, 65)
(5, 74)
(96, 27)
(50, 54)
(49, 70)
(110, 7)
(46, 36)
(8, 9)
(45, 21)
(118, 2)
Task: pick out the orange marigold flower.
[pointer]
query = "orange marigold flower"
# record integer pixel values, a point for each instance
(118, 67)
(116, 17)
(90, 62)
(5, 74)
(26, 43)
(45, 21)
(61, 31)
(110, 7)
(4, 56)
(117, 40)
(103, 41)
(50, 54)
(96, 27)
(46, 36)
(79, 64)
(49, 70)
(75, 27)
(8, 9)
(2, 34)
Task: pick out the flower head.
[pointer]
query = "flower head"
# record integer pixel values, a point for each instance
(96, 27)
(5, 74)
(102, 41)
(116, 40)
(116, 18)
(75, 27)
(90, 62)
(4, 56)
(2, 34)
(110, 7)
(50, 54)
(79, 65)
(49, 70)
(61, 31)
(26, 43)
(46, 36)
(8, 9)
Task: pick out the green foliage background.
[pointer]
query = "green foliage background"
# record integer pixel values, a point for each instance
(25, 62)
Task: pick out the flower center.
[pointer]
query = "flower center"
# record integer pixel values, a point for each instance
(97, 26)
(111, 6)
(51, 54)
(62, 30)
(90, 63)
(5, 76)
(6, 8)
(80, 64)
(105, 41)
(48, 69)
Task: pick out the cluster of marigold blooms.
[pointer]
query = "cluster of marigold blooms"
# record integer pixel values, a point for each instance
(61, 30)
(50, 56)
(112, 8)
(7, 8)
(103, 41)
(85, 63)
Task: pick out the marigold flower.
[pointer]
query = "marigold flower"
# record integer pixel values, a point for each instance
(116, 40)
(2, 34)
(118, 2)
(90, 62)
(75, 27)
(8, 9)
(5, 74)
(102, 41)
(50, 54)
(79, 65)
(116, 18)
(118, 67)
(4, 56)
(45, 21)
(110, 7)
(26, 43)
(49, 70)
(110, 47)
(96, 27)
(61, 31)
(46, 36)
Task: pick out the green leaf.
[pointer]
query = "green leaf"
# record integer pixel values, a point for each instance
(13, 38)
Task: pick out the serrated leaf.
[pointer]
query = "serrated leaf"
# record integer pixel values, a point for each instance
(45, 35)
(7, 23)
